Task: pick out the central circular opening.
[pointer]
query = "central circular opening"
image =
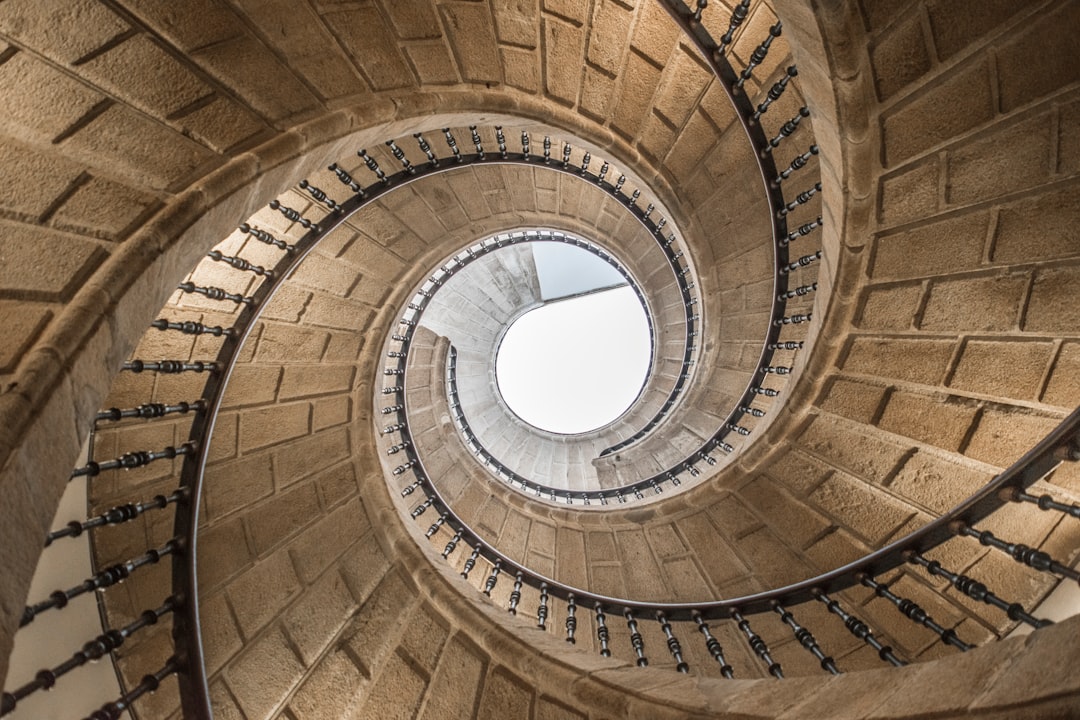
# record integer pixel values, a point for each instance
(579, 360)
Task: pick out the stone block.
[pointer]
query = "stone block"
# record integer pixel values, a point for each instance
(655, 34)
(911, 193)
(251, 69)
(928, 419)
(799, 524)
(913, 360)
(329, 690)
(324, 542)
(836, 549)
(42, 265)
(854, 400)
(607, 35)
(731, 516)
(942, 247)
(936, 484)
(62, 31)
(132, 147)
(222, 124)
(1002, 369)
(54, 178)
(306, 380)
(563, 52)
(432, 63)
(870, 455)
(455, 682)
(681, 87)
(857, 506)
(979, 170)
(771, 561)
(281, 343)
(261, 592)
(22, 324)
(424, 637)
(264, 674)
(230, 486)
(141, 72)
(1039, 59)
(974, 304)
(891, 307)
(327, 274)
(329, 412)
(1004, 434)
(639, 81)
(251, 385)
(267, 426)
(1063, 388)
(1038, 228)
(317, 616)
(640, 570)
(1049, 309)
(954, 105)
(388, 605)
(102, 208)
(504, 696)
(329, 311)
(279, 518)
(471, 32)
(223, 551)
(899, 56)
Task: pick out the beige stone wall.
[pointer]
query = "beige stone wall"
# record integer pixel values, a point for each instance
(950, 238)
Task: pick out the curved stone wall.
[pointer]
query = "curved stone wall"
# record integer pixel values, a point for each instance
(908, 335)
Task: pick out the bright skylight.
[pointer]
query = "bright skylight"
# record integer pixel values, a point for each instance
(575, 365)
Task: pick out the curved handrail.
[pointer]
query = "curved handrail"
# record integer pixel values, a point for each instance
(1061, 444)
(185, 576)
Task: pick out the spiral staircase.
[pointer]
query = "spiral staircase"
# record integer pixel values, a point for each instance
(851, 469)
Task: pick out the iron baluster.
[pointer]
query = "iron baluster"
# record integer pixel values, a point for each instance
(215, 293)
(757, 645)
(265, 237)
(602, 630)
(636, 641)
(805, 638)
(758, 56)
(542, 609)
(913, 612)
(398, 153)
(373, 166)
(977, 591)
(859, 629)
(116, 515)
(515, 594)
(493, 578)
(320, 196)
(240, 264)
(470, 563)
(439, 522)
(132, 460)
(346, 179)
(775, 92)
(798, 163)
(800, 199)
(571, 618)
(189, 327)
(149, 411)
(294, 216)
(713, 646)
(92, 651)
(787, 129)
(672, 643)
(801, 231)
(738, 15)
(802, 262)
(108, 577)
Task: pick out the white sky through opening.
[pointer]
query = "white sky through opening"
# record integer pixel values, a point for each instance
(575, 365)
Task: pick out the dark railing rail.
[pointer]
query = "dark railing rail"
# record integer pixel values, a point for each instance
(187, 662)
